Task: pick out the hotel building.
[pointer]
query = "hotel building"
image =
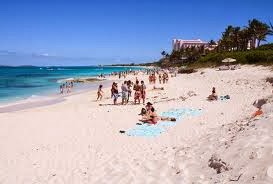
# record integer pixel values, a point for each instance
(178, 44)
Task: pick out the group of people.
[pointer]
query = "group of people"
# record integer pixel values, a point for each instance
(148, 115)
(66, 87)
(126, 92)
(163, 78)
(137, 89)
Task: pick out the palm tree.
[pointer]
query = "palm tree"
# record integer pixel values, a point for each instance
(244, 36)
(226, 40)
(259, 31)
(235, 37)
(211, 42)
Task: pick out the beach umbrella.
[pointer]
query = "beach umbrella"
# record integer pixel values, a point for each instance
(228, 60)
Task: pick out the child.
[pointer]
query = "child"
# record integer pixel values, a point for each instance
(100, 92)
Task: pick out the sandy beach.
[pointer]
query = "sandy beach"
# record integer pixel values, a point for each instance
(78, 141)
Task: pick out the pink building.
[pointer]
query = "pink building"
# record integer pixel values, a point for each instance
(178, 44)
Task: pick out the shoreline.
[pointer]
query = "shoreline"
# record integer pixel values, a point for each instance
(50, 99)
(83, 77)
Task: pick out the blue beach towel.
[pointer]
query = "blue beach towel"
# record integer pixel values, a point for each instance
(148, 130)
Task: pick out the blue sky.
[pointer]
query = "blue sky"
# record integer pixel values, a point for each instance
(114, 31)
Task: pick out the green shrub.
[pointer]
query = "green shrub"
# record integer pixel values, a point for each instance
(263, 57)
(186, 70)
(255, 57)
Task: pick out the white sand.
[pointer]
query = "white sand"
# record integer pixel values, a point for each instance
(77, 141)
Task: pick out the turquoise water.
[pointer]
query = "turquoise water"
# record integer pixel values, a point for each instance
(17, 83)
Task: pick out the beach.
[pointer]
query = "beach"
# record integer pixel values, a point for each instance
(78, 139)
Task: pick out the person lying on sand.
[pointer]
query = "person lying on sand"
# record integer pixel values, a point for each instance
(213, 95)
(158, 88)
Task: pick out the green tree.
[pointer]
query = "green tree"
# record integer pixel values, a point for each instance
(227, 40)
(259, 31)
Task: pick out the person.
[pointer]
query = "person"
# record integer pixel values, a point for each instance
(67, 86)
(114, 92)
(129, 85)
(99, 93)
(145, 112)
(158, 88)
(124, 92)
(72, 84)
(164, 78)
(160, 78)
(167, 77)
(143, 92)
(154, 78)
(150, 79)
(61, 89)
(213, 95)
(137, 89)
(150, 117)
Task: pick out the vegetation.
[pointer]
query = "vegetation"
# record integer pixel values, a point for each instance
(262, 57)
(186, 70)
(237, 38)
(240, 43)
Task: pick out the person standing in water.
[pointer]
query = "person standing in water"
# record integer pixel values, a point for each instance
(61, 89)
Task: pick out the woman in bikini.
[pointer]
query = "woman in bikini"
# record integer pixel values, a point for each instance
(143, 92)
(137, 89)
(213, 95)
(114, 92)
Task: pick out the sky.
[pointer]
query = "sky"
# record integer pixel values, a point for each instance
(102, 32)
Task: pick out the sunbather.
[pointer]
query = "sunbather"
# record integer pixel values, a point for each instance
(158, 88)
(149, 116)
(213, 95)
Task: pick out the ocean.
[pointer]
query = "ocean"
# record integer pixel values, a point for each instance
(19, 83)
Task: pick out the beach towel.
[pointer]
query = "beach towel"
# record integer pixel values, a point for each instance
(148, 130)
